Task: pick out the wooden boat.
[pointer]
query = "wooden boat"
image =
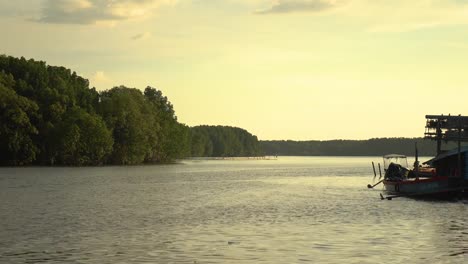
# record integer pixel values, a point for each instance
(445, 175)
(400, 180)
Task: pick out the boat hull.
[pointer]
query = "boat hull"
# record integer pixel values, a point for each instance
(421, 186)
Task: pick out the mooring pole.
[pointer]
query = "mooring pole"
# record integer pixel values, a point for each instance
(373, 167)
(380, 172)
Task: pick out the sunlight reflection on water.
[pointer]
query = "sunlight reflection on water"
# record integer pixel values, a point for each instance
(312, 209)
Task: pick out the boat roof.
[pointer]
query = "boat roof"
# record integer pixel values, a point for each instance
(447, 154)
(389, 156)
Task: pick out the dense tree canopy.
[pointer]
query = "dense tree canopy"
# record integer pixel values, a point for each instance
(124, 111)
(16, 128)
(50, 116)
(54, 90)
(173, 138)
(82, 138)
(223, 141)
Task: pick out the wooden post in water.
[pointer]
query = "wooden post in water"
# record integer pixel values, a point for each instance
(373, 167)
(380, 172)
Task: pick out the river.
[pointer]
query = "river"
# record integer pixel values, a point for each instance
(288, 210)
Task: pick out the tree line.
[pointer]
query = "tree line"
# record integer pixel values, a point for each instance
(50, 116)
(221, 141)
(370, 147)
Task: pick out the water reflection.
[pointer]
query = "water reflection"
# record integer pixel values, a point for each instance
(455, 238)
(285, 211)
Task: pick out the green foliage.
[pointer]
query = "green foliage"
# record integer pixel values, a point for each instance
(223, 141)
(81, 139)
(16, 130)
(123, 109)
(201, 144)
(50, 115)
(166, 133)
(54, 90)
(143, 125)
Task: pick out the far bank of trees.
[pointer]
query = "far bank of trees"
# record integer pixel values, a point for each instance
(370, 147)
(223, 141)
(50, 116)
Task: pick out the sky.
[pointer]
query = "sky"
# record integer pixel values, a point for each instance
(281, 69)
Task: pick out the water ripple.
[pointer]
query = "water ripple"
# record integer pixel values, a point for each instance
(287, 211)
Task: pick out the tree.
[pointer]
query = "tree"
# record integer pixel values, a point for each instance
(81, 139)
(123, 110)
(173, 138)
(54, 90)
(16, 129)
(223, 141)
(50, 115)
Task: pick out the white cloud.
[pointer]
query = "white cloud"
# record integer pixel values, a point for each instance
(411, 15)
(290, 6)
(70, 6)
(19, 8)
(97, 11)
(377, 15)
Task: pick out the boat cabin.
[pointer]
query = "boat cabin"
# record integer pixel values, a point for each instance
(395, 167)
(396, 159)
(446, 164)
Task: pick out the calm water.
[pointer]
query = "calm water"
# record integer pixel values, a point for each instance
(289, 210)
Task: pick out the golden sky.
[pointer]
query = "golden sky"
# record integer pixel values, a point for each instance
(284, 69)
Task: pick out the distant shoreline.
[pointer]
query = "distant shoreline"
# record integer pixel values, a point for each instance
(368, 147)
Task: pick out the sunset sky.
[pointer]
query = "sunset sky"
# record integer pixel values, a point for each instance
(284, 69)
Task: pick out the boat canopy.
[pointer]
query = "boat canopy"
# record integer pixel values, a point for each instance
(395, 158)
(389, 156)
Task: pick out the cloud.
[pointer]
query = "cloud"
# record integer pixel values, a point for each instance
(142, 36)
(19, 8)
(97, 11)
(101, 81)
(398, 16)
(290, 6)
(378, 16)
